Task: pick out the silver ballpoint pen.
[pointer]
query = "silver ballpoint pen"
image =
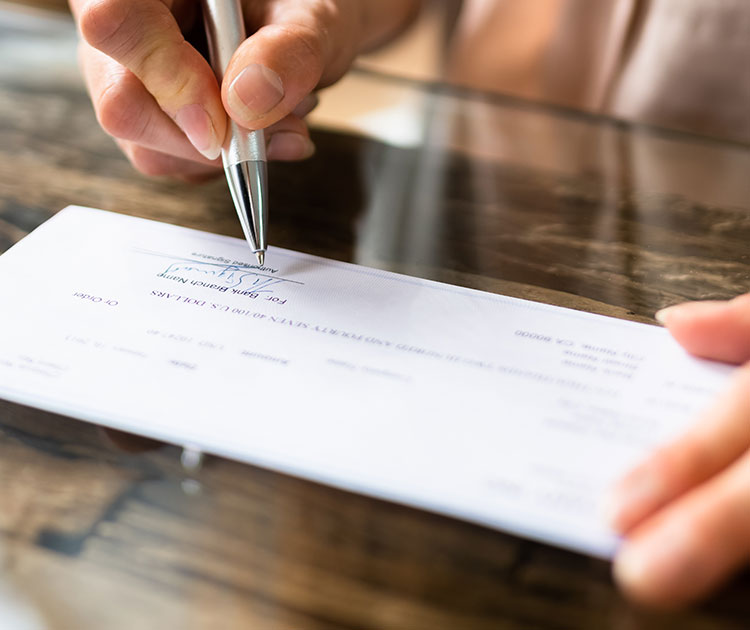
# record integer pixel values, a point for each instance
(244, 151)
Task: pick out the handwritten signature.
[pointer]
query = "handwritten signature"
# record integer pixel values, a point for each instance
(230, 276)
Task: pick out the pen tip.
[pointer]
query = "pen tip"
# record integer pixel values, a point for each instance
(261, 256)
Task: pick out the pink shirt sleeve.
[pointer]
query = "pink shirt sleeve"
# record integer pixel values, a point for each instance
(678, 63)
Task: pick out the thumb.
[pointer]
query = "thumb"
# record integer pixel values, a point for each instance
(279, 65)
(712, 329)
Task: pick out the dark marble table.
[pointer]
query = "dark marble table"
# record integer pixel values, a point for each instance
(101, 531)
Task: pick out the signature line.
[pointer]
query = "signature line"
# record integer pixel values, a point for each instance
(221, 265)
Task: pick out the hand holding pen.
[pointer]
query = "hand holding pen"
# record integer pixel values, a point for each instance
(158, 96)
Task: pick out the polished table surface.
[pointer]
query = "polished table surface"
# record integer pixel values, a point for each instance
(100, 531)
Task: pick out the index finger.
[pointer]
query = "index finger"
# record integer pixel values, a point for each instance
(718, 439)
(143, 35)
(711, 329)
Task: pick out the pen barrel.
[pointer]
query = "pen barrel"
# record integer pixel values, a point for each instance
(225, 31)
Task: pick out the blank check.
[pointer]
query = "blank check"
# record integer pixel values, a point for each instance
(500, 411)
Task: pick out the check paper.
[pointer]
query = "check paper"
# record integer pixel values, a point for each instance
(500, 411)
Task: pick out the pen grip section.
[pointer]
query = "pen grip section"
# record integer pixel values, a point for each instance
(242, 145)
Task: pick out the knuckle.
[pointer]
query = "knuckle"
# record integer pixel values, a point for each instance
(133, 33)
(182, 84)
(103, 22)
(171, 74)
(328, 39)
(305, 45)
(309, 40)
(119, 111)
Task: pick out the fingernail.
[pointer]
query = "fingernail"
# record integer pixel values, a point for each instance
(288, 145)
(255, 92)
(631, 565)
(638, 569)
(651, 564)
(662, 316)
(197, 126)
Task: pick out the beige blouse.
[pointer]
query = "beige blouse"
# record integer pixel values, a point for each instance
(677, 63)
